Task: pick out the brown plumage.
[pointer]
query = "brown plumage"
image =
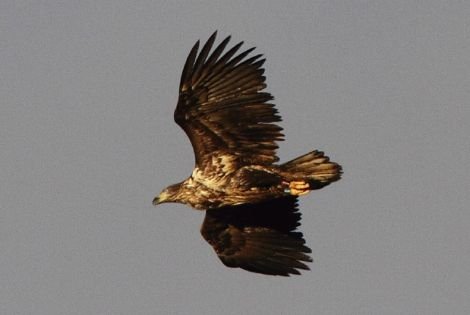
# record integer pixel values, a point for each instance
(251, 202)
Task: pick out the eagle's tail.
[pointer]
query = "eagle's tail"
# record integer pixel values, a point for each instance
(314, 168)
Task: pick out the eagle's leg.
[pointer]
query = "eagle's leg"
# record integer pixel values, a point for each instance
(298, 188)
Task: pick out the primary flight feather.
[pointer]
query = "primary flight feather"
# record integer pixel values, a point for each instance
(250, 202)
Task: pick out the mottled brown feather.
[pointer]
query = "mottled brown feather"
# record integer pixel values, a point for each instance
(258, 237)
(222, 109)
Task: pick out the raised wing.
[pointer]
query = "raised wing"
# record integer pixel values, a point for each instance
(222, 109)
(258, 237)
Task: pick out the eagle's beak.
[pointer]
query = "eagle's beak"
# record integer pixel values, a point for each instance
(163, 197)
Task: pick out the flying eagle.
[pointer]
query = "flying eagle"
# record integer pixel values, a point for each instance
(250, 202)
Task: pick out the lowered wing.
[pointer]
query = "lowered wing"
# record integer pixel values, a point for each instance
(258, 237)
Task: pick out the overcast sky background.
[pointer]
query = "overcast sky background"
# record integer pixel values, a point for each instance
(87, 94)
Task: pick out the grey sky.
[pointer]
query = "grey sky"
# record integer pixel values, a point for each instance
(88, 90)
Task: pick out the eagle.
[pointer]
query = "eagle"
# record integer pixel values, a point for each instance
(250, 201)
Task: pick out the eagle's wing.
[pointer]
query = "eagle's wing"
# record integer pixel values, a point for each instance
(258, 237)
(221, 108)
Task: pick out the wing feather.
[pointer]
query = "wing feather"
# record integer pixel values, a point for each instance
(258, 237)
(222, 108)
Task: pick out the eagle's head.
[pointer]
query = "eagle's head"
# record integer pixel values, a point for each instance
(169, 194)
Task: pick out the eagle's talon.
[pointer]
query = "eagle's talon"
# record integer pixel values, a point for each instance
(298, 188)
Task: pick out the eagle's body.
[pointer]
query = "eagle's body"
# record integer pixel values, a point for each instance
(222, 189)
(222, 186)
(250, 201)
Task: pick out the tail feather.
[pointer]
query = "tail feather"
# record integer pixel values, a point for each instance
(313, 167)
